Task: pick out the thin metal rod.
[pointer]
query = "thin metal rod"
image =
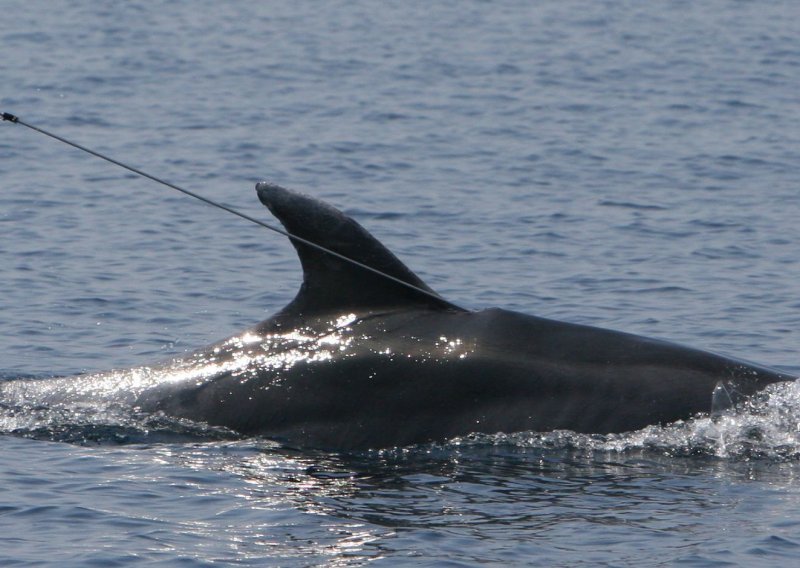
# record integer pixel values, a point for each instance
(16, 120)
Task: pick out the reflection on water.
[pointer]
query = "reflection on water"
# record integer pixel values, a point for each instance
(252, 502)
(370, 505)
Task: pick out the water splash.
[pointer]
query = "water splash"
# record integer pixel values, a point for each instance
(766, 426)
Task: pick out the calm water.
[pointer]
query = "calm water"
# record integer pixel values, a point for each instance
(623, 164)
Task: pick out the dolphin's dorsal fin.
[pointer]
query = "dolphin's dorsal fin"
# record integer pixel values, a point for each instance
(333, 284)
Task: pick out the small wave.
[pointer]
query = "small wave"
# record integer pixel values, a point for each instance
(767, 427)
(631, 205)
(110, 424)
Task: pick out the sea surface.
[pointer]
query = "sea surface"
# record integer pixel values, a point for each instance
(631, 165)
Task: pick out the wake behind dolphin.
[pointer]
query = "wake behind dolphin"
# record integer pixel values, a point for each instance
(359, 361)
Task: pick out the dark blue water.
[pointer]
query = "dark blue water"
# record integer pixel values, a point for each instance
(623, 164)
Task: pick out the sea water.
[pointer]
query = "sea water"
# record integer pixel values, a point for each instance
(622, 164)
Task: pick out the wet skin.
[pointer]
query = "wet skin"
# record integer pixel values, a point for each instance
(356, 361)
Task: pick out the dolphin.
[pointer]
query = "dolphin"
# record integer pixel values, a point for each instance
(358, 360)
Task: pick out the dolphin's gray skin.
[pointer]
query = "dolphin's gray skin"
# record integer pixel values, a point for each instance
(357, 361)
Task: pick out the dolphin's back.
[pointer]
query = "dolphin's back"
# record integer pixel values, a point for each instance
(414, 376)
(357, 360)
